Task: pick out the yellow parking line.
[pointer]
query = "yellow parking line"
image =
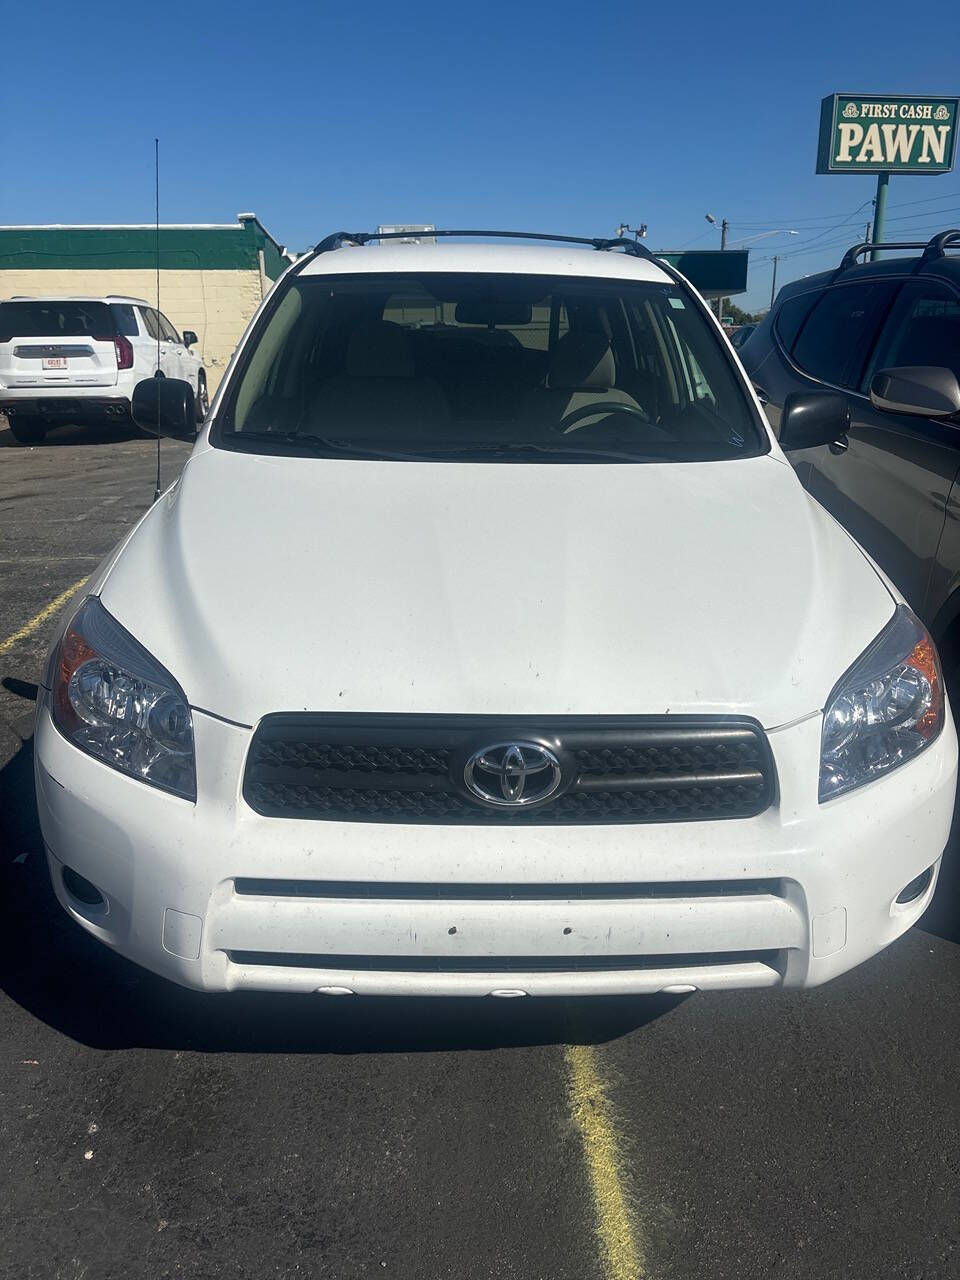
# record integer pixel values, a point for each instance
(39, 619)
(593, 1116)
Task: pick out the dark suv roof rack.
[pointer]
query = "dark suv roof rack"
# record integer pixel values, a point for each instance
(341, 238)
(933, 248)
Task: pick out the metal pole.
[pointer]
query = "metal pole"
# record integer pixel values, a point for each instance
(879, 210)
(773, 287)
(724, 227)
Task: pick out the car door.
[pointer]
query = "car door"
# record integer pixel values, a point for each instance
(156, 353)
(890, 486)
(773, 378)
(178, 352)
(169, 362)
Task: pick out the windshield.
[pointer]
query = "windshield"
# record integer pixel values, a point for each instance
(525, 368)
(67, 319)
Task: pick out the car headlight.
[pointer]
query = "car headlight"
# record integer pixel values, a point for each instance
(886, 709)
(113, 700)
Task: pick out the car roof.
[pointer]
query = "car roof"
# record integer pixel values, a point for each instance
(508, 259)
(943, 268)
(76, 297)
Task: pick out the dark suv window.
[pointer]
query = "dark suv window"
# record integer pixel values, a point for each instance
(791, 316)
(834, 342)
(125, 319)
(923, 328)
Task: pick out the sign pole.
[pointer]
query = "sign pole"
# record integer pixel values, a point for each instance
(879, 210)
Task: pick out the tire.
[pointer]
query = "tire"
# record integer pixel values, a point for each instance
(202, 398)
(27, 428)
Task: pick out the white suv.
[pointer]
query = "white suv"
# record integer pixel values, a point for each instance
(78, 359)
(488, 644)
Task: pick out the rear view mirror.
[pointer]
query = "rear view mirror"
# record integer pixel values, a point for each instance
(493, 311)
(926, 390)
(164, 407)
(190, 339)
(813, 418)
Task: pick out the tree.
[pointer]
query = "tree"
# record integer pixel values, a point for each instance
(734, 314)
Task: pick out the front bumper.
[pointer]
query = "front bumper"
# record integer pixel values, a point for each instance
(216, 897)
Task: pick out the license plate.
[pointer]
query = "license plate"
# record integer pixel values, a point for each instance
(54, 362)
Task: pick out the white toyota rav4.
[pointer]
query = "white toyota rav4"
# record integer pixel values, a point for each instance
(79, 359)
(488, 644)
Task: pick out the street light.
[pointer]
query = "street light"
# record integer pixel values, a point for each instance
(781, 231)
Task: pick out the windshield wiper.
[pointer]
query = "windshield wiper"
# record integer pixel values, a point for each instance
(507, 448)
(487, 448)
(320, 444)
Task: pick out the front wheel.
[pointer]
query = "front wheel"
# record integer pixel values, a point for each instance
(203, 399)
(27, 428)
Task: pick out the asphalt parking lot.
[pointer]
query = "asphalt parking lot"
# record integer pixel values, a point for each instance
(150, 1131)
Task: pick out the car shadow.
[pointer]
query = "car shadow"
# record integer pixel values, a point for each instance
(74, 433)
(59, 974)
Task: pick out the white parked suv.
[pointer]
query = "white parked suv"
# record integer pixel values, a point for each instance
(78, 359)
(488, 644)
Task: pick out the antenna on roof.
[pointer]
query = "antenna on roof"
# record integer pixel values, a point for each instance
(159, 372)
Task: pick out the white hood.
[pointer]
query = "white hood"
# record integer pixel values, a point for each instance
(285, 584)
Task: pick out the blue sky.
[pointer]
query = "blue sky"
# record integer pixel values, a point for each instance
(569, 117)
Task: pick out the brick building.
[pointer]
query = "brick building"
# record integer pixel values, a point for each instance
(212, 276)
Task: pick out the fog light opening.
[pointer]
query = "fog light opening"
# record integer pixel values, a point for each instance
(915, 889)
(81, 889)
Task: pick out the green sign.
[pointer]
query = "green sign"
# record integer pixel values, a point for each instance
(875, 133)
(714, 273)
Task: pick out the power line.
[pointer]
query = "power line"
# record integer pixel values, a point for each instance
(917, 231)
(824, 218)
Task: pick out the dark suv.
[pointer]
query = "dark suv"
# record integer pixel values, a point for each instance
(885, 335)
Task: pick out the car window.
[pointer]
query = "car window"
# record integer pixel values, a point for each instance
(150, 322)
(791, 316)
(67, 319)
(125, 318)
(166, 328)
(923, 328)
(836, 336)
(449, 363)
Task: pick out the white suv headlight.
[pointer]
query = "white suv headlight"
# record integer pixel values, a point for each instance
(113, 700)
(885, 710)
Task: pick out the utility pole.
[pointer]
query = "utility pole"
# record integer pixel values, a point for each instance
(773, 287)
(724, 227)
(879, 211)
(866, 234)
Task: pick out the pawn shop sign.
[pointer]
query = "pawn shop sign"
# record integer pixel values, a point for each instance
(876, 133)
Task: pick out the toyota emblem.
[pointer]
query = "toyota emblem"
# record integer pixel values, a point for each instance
(512, 774)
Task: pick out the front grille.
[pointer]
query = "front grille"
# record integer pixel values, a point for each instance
(499, 964)
(410, 769)
(390, 890)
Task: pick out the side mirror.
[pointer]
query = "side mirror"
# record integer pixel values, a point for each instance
(190, 339)
(919, 389)
(813, 418)
(164, 407)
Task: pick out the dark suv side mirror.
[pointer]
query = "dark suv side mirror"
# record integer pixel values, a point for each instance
(925, 390)
(190, 339)
(164, 407)
(811, 418)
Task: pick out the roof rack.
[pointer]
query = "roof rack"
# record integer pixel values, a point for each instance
(934, 248)
(341, 238)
